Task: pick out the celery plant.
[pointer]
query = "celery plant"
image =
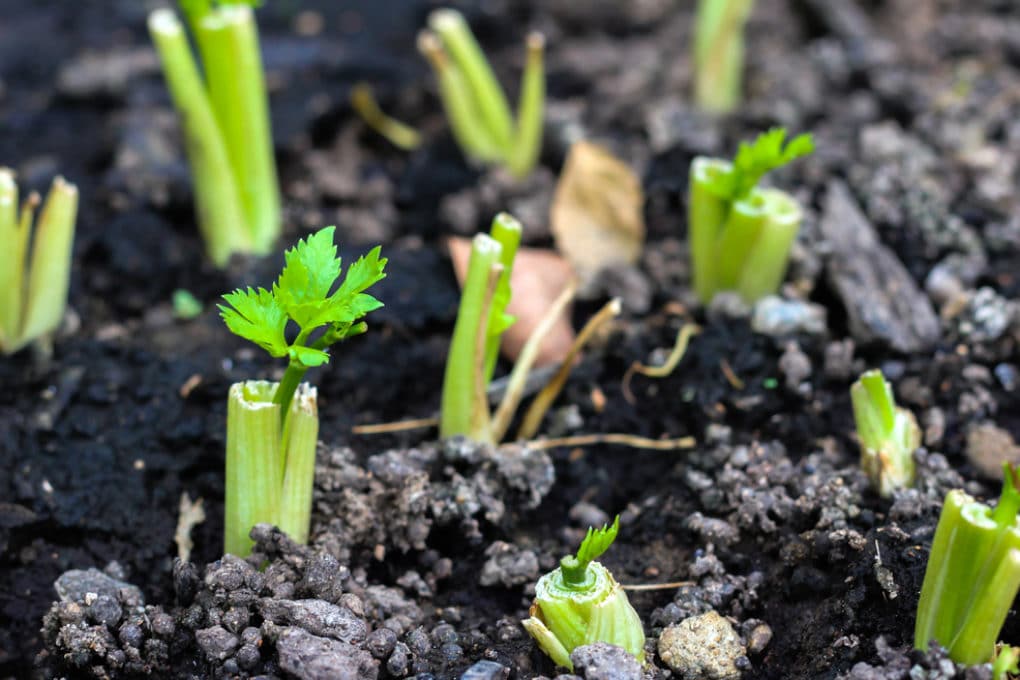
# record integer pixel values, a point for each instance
(889, 434)
(740, 235)
(226, 123)
(719, 53)
(973, 574)
(272, 428)
(36, 276)
(475, 104)
(580, 603)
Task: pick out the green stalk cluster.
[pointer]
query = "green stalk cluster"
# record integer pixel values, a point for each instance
(719, 53)
(580, 603)
(740, 235)
(36, 276)
(481, 321)
(272, 428)
(476, 107)
(973, 574)
(225, 118)
(888, 434)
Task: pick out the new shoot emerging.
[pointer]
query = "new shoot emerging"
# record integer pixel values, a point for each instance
(888, 434)
(225, 117)
(973, 574)
(741, 234)
(476, 107)
(580, 603)
(272, 428)
(36, 276)
(719, 53)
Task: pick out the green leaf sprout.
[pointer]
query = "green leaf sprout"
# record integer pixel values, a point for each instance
(889, 434)
(741, 234)
(1007, 662)
(973, 574)
(36, 275)
(580, 603)
(475, 104)
(225, 117)
(272, 429)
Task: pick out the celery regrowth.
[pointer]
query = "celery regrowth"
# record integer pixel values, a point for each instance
(35, 279)
(271, 433)
(476, 107)
(580, 603)
(973, 574)
(740, 234)
(225, 117)
(719, 53)
(888, 434)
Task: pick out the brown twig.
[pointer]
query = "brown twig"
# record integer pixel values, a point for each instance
(399, 426)
(683, 338)
(631, 440)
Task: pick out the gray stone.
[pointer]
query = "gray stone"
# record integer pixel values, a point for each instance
(776, 317)
(316, 616)
(603, 661)
(486, 670)
(884, 305)
(703, 647)
(74, 585)
(310, 657)
(508, 566)
(217, 642)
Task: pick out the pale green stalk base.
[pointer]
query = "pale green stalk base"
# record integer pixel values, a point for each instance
(221, 214)
(972, 577)
(888, 435)
(463, 413)
(459, 42)
(268, 476)
(564, 616)
(743, 246)
(34, 285)
(400, 134)
(228, 40)
(719, 53)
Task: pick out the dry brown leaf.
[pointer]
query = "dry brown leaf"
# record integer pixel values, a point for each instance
(538, 277)
(596, 214)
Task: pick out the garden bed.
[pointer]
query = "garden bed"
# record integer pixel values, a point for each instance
(768, 519)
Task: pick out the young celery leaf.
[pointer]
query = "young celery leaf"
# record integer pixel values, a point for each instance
(257, 316)
(596, 542)
(311, 269)
(753, 161)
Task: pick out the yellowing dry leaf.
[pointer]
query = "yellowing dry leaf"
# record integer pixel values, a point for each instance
(596, 214)
(538, 277)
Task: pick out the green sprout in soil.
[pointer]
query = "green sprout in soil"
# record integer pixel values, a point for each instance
(35, 278)
(888, 434)
(226, 123)
(719, 53)
(475, 104)
(1007, 662)
(741, 234)
(272, 428)
(973, 574)
(580, 603)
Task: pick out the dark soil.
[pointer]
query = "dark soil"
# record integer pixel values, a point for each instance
(426, 553)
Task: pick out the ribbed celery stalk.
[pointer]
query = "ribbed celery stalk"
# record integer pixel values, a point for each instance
(490, 101)
(221, 214)
(719, 53)
(227, 38)
(740, 232)
(765, 266)
(889, 435)
(463, 412)
(527, 146)
(507, 232)
(301, 435)
(14, 242)
(706, 213)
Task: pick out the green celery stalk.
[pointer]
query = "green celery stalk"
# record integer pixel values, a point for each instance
(527, 145)
(300, 437)
(506, 230)
(254, 466)
(888, 435)
(765, 266)
(940, 592)
(488, 96)
(49, 271)
(227, 38)
(221, 215)
(740, 232)
(465, 411)
(706, 213)
(13, 241)
(719, 53)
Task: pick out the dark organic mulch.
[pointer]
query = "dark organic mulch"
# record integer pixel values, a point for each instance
(423, 554)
